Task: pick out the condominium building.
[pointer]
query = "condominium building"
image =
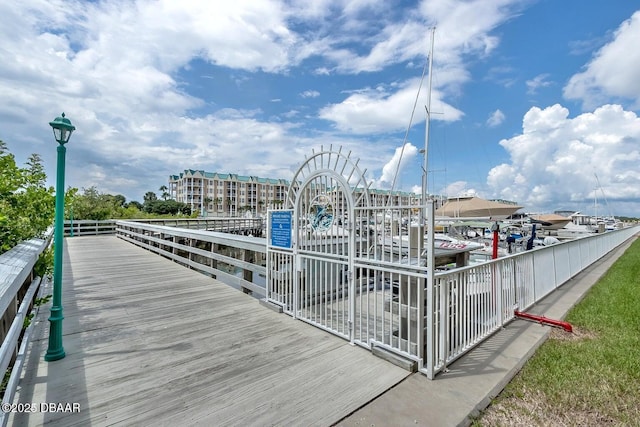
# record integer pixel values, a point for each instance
(218, 194)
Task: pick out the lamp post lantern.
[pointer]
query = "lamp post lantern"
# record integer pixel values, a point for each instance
(62, 130)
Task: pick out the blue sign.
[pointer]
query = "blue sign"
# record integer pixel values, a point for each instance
(281, 229)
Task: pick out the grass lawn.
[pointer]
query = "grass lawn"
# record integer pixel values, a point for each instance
(590, 377)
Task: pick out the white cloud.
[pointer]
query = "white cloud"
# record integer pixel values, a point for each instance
(537, 82)
(135, 77)
(458, 189)
(392, 169)
(502, 75)
(376, 110)
(463, 30)
(554, 161)
(613, 71)
(310, 94)
(495, 119)
(291, 114)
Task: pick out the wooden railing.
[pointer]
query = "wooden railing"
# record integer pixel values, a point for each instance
(236, 260)
(86, 227)
(19, 288)
(243, 226)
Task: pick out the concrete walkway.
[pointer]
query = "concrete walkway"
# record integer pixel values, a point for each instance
(453, 398)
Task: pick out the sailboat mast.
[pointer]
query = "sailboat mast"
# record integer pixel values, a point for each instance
(426, 131)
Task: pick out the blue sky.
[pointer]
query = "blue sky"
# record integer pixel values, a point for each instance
(531, 100)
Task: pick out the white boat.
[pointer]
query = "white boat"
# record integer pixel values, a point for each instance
(405, 249)
(550, 221)
(445, 245)
(475, 207)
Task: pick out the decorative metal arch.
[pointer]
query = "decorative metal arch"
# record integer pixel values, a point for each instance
(333, 263)
(342, 168)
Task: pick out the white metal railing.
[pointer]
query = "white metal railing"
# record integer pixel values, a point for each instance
(379, 307)
(471, 303)
(280, 285)
(389, 274)
(236, 260)
(19, 286)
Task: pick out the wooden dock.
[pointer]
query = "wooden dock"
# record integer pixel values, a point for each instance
(149, 342)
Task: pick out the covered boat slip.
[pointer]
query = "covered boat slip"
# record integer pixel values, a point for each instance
(475, 207)
(149, 342)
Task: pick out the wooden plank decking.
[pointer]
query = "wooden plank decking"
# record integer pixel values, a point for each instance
(149, 342)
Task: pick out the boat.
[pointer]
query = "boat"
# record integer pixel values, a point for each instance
(443, 244)
(476, 207)
(550, 221)
(404, 249)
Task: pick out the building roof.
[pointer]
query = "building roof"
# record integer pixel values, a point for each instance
(227, 177)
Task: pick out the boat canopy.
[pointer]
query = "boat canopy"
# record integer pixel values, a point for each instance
(551, 217)
(475, 207)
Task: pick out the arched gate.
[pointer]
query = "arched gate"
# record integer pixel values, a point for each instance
(336, 261)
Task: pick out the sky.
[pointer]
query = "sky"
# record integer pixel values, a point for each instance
(533, 101)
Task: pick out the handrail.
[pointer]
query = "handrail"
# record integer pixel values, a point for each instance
(473, 302)
(86, 227)
(18, 288)
(14, 340)
(10, 341)
(201, 251)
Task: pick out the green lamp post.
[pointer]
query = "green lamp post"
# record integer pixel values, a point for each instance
(62, 129)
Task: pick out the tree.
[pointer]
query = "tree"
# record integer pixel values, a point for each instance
(149, 199)
(27, 206)
(150, 196)
(165, 195)
(135, 204)
(119, 200)
(167, 207)
(94, 205)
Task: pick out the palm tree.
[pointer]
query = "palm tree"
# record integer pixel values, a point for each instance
(207, 201)
(229, 205)
(165, 195)
(150, 196)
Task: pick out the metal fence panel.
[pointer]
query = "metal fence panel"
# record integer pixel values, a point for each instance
(545, 272)
(469, 304)
(562, 259)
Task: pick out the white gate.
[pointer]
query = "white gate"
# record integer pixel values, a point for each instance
(338, 262)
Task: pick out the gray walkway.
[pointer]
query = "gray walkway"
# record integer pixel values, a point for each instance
(472, 381)
(149, 342)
